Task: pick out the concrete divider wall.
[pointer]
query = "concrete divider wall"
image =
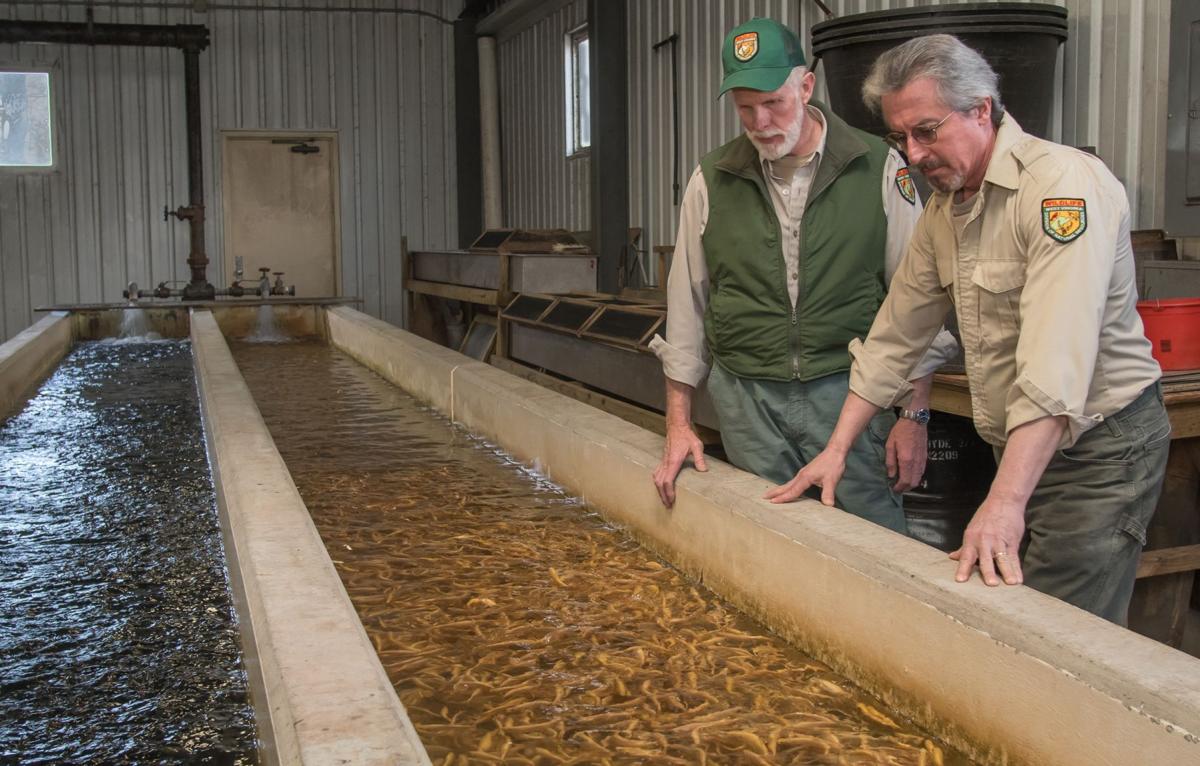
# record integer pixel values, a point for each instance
(320, 693)
(1009, 674)
(27, 358)
(397, 355)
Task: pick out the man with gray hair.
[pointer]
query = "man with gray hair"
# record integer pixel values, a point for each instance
(1028, 242)
(788, 236)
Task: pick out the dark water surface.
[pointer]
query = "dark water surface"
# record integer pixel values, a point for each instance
(520, 628)
(118, 643)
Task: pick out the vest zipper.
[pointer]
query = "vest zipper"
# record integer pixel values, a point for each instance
(795, 351)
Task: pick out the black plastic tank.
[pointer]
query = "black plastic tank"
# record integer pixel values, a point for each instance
(958, 474)
(1019, 40)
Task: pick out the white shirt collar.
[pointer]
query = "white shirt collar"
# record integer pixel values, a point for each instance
(789, 164)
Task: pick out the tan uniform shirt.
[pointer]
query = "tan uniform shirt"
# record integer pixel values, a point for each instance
(1040, 273)
(684, 352)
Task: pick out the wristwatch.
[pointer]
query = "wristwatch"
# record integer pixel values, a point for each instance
(920, 417)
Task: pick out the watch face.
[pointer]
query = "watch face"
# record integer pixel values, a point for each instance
(922, 417)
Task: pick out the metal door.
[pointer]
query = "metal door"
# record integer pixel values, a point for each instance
(281, 208)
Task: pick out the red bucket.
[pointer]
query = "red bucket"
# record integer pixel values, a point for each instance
(1173, 327)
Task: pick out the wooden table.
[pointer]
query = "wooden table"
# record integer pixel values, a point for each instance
(1168, 566)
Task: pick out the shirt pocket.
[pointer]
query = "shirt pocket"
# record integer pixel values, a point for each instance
(1000, 283)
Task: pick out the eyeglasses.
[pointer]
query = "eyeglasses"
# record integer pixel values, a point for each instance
(922, 134)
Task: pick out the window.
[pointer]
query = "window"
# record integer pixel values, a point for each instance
(25, 109)
(579, 92)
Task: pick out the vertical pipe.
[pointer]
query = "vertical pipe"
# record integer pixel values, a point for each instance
(489, 125)
(467, 100)
(608, 45)
(199, 288)
(191, 75)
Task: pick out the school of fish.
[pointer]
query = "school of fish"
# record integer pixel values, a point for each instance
(517, 626)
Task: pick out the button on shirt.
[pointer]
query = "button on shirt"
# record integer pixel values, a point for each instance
(788, 180)
(684, 352)
(1047, 315)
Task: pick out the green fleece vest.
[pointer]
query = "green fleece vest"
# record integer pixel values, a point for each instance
(750, 325)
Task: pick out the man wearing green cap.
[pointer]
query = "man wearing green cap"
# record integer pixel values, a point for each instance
(788, 237)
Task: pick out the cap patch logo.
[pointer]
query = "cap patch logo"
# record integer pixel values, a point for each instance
(1064, 219)
(904, 184)
(745, 46)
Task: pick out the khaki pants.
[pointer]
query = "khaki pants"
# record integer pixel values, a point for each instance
(1088, 516)
(773, 428)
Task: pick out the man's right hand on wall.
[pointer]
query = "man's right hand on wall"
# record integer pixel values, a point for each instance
(681, 444)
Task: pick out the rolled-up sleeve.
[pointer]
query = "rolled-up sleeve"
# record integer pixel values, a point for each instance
(684, 353)
(902, 216)
(905, 328)
(1063, 301)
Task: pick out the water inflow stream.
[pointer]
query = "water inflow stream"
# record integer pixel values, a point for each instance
(518, 626)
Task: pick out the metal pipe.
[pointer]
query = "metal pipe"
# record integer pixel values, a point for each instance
(191, 6)
(468, 144)
(191, 39)
(161, 291)
(199, 288)
(185, 36)
(489, 129)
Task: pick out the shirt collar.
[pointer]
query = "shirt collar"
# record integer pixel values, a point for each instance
(813, 114)
(1003, 169)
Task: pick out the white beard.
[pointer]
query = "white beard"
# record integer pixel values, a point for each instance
(773, 152)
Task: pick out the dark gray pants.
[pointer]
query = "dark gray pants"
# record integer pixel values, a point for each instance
(773, 428)
(1088, 516)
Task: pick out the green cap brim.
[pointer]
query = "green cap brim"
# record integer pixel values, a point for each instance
(764, 78)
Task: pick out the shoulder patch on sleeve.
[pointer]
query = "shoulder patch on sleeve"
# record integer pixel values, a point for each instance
(904, 184)
(1064, 218)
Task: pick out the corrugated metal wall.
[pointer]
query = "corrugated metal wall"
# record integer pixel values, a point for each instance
(704, 122)
(382, 80)
(1113, 84)
(543, 188)
(1115, 67)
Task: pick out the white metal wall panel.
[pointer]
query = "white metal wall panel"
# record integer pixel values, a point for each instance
(1113, 85)
(1115, 94)
(543, 188)
(383, 80)
(705, 122)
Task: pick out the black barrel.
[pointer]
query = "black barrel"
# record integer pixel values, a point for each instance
(957, 477)
(1019, 40)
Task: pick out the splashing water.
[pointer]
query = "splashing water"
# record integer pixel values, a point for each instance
(135, 327)
(266, 331)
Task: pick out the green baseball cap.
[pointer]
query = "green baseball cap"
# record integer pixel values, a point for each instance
(759, 54)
